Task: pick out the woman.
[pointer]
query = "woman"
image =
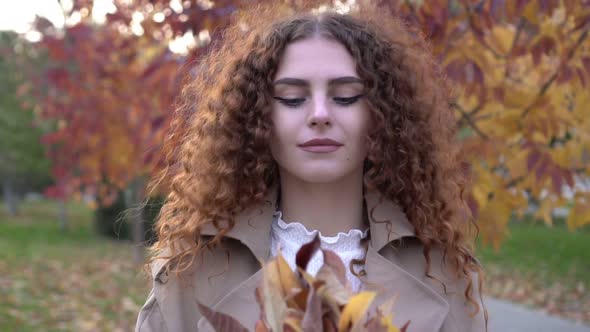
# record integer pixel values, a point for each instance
(307, 123)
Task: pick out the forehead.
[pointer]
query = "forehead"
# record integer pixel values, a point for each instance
(316, 58)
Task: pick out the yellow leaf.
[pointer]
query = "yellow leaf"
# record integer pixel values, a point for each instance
(386, 307)
(494, 217)
(501, 37)
(306, 276)
(357, 306)
(275, 308)
(293, 320)
(545, 211)
(579, 214)
(387, 321)
(531, 12)
(517, 163)
(286, 276)
(519, 96)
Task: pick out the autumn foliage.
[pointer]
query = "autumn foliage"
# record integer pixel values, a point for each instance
(521, 68)
(297, 301)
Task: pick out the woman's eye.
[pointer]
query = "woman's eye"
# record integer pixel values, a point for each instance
(294, 102)
(347, 101)
(290, 102)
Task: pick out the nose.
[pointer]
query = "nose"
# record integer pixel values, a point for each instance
(320, 114)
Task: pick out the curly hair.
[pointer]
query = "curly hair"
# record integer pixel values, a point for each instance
(217, 156)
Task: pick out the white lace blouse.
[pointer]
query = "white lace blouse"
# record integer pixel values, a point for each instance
(291, 236)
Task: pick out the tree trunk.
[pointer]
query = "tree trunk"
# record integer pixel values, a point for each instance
(10, 199)
(135, 196)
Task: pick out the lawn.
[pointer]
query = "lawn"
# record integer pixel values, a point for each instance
(73, 281)
(78, 281)
(552, 253)
(542, 267)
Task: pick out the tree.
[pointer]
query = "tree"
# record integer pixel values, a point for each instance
(108, 90)
(520, 67)
(21, 154)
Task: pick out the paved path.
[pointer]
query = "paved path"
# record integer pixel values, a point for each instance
(509, 317)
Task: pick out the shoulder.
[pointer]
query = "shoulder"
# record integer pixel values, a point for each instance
(209, 263)
(408, 252)
(209, 277)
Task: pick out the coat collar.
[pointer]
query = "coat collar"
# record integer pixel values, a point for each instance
(420, 304)
(252, 226)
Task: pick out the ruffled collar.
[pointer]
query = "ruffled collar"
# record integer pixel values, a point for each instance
(298, 230)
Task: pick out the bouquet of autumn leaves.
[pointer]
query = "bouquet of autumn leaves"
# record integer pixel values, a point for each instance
(298, 302)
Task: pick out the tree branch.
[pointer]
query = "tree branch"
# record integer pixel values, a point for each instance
(519, 27)
(550, 81)
(466, 117)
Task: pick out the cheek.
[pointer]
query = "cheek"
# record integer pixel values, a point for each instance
(282, 134)
(285, 125)
(361, 126)
(278, 128)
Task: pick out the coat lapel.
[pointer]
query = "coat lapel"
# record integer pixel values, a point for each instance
(238, 304)
(252, 226)
(415, 301)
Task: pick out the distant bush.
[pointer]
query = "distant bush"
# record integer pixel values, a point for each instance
(110, 220)
(150, 215)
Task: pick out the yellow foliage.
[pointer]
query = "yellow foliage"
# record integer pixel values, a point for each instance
(315, 299)
(579, 214)
(288, 280)
(536, 99)
(357, 306)
(533, 96)
(500, 37)
(386, 321)
(531, 12)
(517, 163)
(545, 210)
(493, 218)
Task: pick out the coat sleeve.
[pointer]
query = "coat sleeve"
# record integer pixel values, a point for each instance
(150, 317)
(461, 316)
(462, 313)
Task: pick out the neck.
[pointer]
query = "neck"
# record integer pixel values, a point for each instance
(327, 207)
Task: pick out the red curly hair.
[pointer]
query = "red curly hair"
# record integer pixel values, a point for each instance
(218, 160)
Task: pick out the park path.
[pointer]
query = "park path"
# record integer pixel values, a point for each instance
(509, 317)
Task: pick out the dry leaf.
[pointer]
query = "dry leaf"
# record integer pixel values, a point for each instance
(220, 321)
(287, 278)
(332, 260)
(333, 289)
(306, 251)
(312, 319)
(357, 306)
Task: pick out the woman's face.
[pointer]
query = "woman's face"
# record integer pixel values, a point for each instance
(318, 95)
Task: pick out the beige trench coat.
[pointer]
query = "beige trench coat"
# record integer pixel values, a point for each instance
(390, 269)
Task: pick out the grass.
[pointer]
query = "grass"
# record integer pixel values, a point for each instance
(542, 267)
(552, 253)
(52, 280)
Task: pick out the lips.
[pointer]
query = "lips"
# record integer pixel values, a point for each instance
(321, 145)
(321, 142)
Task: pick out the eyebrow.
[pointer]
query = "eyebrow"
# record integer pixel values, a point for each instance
(331, 82)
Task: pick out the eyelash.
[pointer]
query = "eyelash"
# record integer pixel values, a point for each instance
(295, 102)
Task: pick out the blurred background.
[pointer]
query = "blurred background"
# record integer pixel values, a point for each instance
(87, 89)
